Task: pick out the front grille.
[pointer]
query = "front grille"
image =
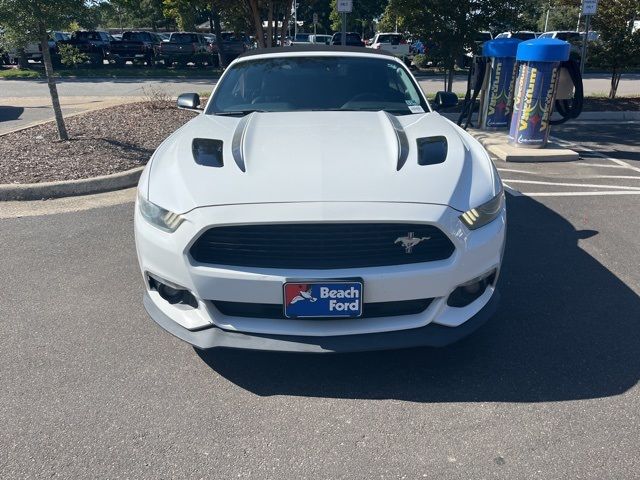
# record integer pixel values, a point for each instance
(369, 310)
(321, 245)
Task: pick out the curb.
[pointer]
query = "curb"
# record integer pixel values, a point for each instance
(610, 115)
(622, 115)
(68, 188)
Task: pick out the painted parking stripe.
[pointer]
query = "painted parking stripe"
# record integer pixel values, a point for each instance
(596, 153)
(580, 194)
(582, 177)
(562, 184)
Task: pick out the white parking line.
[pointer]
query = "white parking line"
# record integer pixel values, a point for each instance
(562, 184)
(613, 177)
(598, 165)
(579, 194)
(596, 153)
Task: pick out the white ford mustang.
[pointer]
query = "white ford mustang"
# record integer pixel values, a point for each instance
(318, 204)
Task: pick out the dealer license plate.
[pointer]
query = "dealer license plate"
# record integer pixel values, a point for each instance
(323, 299)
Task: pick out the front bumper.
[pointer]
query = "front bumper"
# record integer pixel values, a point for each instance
(431, 335)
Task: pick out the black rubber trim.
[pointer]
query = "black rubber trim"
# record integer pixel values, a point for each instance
(314, 48)
(430, 335)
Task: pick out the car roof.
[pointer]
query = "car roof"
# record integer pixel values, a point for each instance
(314, 49)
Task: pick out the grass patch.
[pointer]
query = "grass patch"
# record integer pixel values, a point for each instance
(16, 73)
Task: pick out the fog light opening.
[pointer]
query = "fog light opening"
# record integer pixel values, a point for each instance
(470, 291)
(171, 293)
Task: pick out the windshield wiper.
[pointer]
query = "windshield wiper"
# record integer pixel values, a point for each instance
(238, 112)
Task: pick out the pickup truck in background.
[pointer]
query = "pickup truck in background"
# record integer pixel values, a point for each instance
(96, 44)
(136, 47)
(183, 48)
(233, 45)
(392, 43)
(33, 50)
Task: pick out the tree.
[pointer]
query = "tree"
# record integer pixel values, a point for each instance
(563, 15)
(451, 27)
(364, 13)
(618, 46)
(273, 12)
(39, 17)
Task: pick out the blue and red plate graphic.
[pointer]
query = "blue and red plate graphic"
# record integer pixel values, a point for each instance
(322, 299)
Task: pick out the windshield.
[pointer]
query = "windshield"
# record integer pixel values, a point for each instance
(387, 38)
(134, 36)
(317, 83)
(184, 38)
(524, 35)
(569, 36)
(86, 36)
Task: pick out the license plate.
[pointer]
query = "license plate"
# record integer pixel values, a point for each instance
(323, 299)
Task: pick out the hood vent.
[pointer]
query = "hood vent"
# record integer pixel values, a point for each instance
(403, 142)
(207, 152)
(432, 150)
(237, 143)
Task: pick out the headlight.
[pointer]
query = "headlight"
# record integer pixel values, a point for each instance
(484, 214)
(158, 216)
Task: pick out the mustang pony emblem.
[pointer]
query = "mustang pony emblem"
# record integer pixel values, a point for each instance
(410, 241)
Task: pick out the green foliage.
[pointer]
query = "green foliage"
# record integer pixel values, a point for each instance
(23, 19)
(71, 56)
(563, 15)
(364, 12)
(420, 61)
(306, 10)
(618, 47)
(18, 73)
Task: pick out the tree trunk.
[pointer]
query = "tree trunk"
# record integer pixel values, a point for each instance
(615, 80)
(450, 73)
(53, 90)
(23, 62)
(270, 25)
(288, 4)
(257, 22)
(215, 14)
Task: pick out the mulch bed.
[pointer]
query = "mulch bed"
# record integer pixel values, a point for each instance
(102, 142)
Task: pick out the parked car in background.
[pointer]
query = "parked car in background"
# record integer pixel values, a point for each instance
(136, 47)
(94, 43)
(520, 35)
(320, 39)
(353, 39)
(183, 48)
(391, 42)
(33, 50)
(301, 39)
(571, 36)
(233, 45)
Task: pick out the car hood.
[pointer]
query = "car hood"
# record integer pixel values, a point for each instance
(319, 157)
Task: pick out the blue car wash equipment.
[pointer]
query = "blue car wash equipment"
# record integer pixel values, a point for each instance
(496, 95)
(535, 90)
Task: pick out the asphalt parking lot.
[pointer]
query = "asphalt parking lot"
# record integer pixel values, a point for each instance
(547, 389)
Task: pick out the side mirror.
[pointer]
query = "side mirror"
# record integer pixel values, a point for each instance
(444, 100)
(189, 101)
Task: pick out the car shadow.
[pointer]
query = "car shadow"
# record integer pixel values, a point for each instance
(567, 328)
(10, 113)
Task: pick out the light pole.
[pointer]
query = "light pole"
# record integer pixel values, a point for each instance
(295, 19)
